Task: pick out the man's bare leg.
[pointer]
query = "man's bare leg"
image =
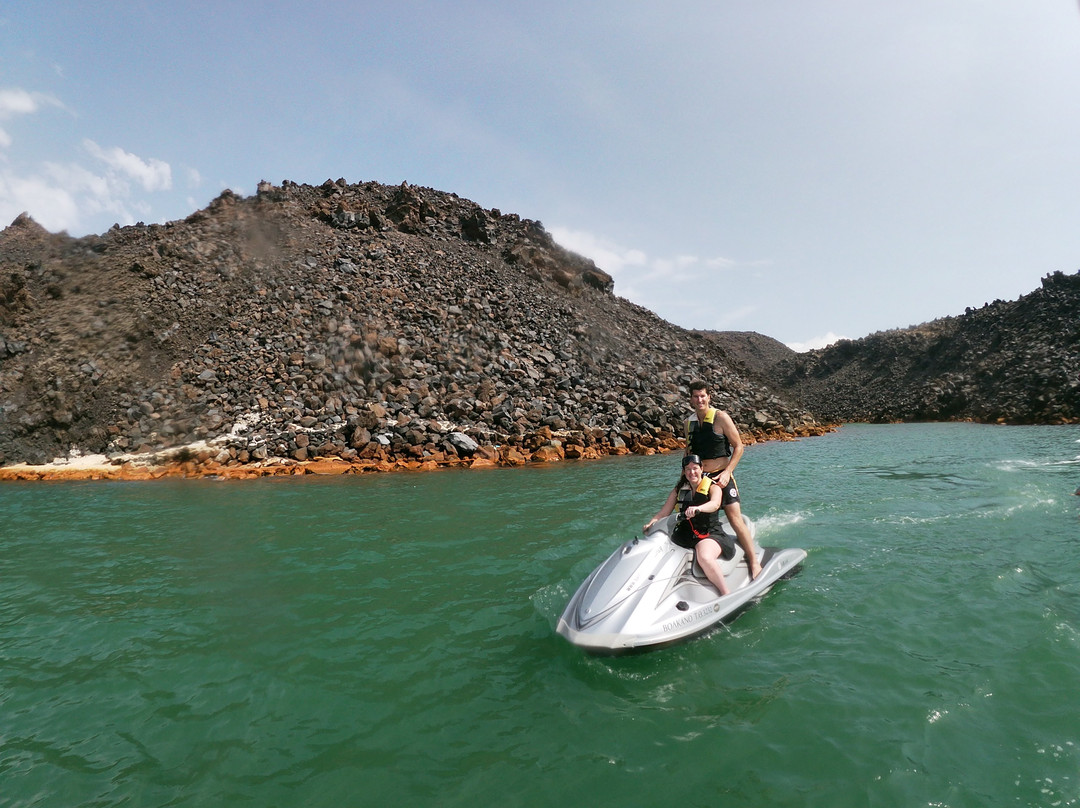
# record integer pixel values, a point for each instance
(746, 541)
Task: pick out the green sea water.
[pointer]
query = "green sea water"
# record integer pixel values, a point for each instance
(390, 639)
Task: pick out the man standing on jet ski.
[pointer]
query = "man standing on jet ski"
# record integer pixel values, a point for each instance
(713, 436)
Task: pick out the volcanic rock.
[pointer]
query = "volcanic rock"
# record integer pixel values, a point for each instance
(376, 326)
(1015, 362)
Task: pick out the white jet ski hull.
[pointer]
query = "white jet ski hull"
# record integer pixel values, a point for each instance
(650, 593)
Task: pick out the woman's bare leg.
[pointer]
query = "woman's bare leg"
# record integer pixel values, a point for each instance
(708, 557)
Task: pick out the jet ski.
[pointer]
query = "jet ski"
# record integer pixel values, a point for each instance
(651, 593)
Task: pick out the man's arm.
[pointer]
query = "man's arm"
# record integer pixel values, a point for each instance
(723, 423)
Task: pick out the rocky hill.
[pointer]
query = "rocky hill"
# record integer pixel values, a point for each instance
(1014, 362)
(754, 355)
(375, 325)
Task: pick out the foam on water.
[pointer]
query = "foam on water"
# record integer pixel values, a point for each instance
(777, 522)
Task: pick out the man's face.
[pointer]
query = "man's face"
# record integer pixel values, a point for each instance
(699, 400)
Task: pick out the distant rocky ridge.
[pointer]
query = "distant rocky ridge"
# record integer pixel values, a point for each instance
(1010, 362)
(363, 325)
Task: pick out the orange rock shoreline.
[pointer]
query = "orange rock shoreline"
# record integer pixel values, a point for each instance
(153, 468)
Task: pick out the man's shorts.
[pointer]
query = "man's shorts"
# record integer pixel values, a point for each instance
(731, 491)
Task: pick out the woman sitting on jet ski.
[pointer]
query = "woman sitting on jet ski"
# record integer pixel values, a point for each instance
(698, 499)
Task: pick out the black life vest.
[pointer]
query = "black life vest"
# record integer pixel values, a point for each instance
(688, 532)
(703, 440)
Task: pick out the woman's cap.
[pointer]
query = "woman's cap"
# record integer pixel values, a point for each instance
(690, 458)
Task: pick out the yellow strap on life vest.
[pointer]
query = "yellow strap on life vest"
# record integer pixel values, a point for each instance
(710, 416)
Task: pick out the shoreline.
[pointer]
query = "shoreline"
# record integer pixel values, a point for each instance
(178, 463)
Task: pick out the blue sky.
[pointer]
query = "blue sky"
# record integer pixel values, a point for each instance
(805, 169)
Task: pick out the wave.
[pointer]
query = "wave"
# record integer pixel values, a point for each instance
(549, 601)
(778, 521)
(1033, 465)
(995, 511)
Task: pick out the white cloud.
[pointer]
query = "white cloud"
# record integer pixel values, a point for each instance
(608, 256)
(639, 276)
(673, 287)
(63, 196)
(53, 207)
(675, 268)
(15, 102)
(634, 264)
(67, 195)
(18, 102)
(95, 193)
(153, 175)
(816, 342)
